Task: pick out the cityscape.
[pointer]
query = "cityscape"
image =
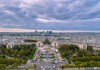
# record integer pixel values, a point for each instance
(49, 34)
(42, 50)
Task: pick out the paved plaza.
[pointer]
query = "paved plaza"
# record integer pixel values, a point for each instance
(47, 58)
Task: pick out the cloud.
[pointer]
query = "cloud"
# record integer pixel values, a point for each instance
(56, 14)
(76, 4)
(15, 30)
(9, 12)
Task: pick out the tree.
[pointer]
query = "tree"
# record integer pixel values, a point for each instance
(2, 66)
(47, 41)
(22, 53)
(82, 53)
(90, 48)
(30, 40)
(67, 50)
(9, 67)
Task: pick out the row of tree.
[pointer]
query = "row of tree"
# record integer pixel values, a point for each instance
(68, 50)
(79, 58)
(10, 63)
(88, 58)
(16, 55)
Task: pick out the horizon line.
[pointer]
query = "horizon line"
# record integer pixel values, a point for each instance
(40, 30)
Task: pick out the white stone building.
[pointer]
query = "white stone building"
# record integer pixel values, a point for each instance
(82, 46)
(55, 44)
(10, 45)
(39, 44)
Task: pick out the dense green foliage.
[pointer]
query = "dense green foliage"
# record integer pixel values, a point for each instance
(24, 51)
(91, 61)
(68, 66)
(90, 48)
(30, 40)
(11, 57)
(68, 50)
(80, 58)
(33, 54)
(47, 41)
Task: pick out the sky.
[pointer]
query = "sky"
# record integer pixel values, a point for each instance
(50, 15)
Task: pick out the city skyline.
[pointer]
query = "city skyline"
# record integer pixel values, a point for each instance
(57, 15)
(30, 30)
